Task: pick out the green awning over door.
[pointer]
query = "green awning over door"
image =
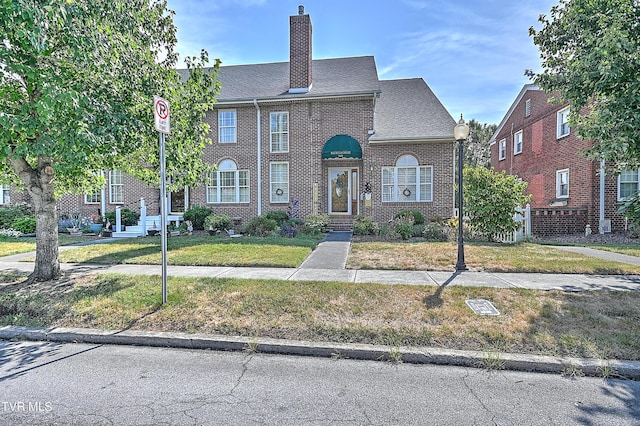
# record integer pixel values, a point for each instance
(341, 146)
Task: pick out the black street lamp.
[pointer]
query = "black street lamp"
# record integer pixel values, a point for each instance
(460, 133)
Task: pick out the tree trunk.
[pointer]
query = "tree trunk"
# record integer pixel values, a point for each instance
(38, 182)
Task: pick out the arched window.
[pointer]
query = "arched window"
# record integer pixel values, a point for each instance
(407, 181)
(228, 184)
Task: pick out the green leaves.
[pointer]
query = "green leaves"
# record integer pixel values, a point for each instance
(491, 200)
(590, 51)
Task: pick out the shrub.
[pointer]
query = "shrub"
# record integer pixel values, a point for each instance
(197, 216)
(317, 224)
(435, 232)
(364, 225)
(128, 217)
(288, 230)
(25, 224)
(403, 225)
(10, 213)
(217, 222)
(260, 226)
(491, 200)
(279, 216)
(418, 218)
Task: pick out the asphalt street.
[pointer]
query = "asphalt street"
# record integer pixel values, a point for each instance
(49, 383)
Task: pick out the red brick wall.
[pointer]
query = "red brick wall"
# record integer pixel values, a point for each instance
(311, 125)
(544, 154)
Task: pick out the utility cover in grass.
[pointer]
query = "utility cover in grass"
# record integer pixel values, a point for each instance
(482, 307)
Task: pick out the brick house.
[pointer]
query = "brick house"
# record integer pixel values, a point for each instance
(327, 133)
(535, 142)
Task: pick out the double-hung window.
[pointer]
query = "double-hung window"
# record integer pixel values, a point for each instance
(227, 126)
(502, 149)
(407, 181)
(228, 184)
(279, 180)
(93, 198)
(4, 195)
(563, 122)
(517, 142)
(627, 184)
(116, 187)
(279, 131)
(562, 183)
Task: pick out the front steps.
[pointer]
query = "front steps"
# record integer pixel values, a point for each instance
(151, 222)
(341, 223)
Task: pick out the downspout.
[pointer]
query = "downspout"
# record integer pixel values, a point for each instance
(255, 103)
(103, 197)
(512, 149)
(602, 182)
(454, 171)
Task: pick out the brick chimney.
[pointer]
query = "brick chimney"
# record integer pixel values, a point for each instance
(300, 53)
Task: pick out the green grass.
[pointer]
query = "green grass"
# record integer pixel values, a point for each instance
(203, 251)
(10, 246)
(590, 324)
(523, 257)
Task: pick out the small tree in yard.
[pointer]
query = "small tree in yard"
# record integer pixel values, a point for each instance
(77, 80)
(491, 199)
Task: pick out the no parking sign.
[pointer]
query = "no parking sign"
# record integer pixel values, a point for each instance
(161, 114)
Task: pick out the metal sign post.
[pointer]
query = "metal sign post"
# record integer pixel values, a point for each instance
(161, 115)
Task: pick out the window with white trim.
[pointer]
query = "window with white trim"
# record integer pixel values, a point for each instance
(227, 126)
(517, 142)
(627, 184)
(502, 149)
(407, 181)
(279, 182)
(228, 184)
(279, 131)
(116, 187)
(562, 183)
(563, 122)
(4, 194)
(93, 198)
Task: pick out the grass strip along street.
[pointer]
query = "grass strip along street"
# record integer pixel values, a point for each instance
(599, 324)
(589, 324)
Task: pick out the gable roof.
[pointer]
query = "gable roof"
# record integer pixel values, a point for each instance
(331, 77)
(408, 110)
(523, 91)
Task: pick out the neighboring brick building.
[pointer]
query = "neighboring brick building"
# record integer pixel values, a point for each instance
(327, 133)
(534, 141)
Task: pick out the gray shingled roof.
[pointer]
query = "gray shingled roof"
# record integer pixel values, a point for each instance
(331, 77)
(409, 110)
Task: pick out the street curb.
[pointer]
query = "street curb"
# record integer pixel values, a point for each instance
(485, 360)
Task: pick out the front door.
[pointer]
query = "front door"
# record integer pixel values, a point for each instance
(343, 191)
(177, 201)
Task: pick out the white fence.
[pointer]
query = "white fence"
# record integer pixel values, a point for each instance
(523, 216)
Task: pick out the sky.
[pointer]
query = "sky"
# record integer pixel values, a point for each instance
(472, 53)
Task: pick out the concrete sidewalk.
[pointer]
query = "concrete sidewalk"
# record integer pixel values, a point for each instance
(537, 281)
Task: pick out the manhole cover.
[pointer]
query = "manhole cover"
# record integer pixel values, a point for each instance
(482, 307)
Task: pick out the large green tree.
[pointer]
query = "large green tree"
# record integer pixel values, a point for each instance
(590, 51)
(476, 149)
(77, 80)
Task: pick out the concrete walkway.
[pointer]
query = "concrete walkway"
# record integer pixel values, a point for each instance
(331, 253)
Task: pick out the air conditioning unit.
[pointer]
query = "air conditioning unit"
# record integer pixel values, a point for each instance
(605, 226)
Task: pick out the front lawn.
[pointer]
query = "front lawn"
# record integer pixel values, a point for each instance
(522, 257)
(202, 251)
